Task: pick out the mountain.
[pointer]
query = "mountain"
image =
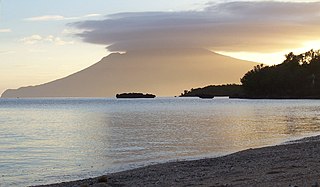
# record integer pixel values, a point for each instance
(164, 72)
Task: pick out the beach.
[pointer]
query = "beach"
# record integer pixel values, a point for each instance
(295, 163)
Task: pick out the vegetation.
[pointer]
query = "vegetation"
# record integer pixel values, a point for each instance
(232, 90)
(135, 95)
(297, 77)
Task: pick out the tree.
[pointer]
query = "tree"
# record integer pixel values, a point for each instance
(297, 76)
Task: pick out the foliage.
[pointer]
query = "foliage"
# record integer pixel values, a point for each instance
(214, 90)
(297, 77)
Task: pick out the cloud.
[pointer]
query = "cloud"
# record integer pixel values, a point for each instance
(5, 30)
(6, 52)
(58, 17)
(71, 31)
(256, 26)
(46, 18)
(91, 15)
(34, 39)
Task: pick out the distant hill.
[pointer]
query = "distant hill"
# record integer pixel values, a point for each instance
(164, 72)
(229, 90)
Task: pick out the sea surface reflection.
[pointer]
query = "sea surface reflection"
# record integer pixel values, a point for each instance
(52, 140)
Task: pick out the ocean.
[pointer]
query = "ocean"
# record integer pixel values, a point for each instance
(53, 140)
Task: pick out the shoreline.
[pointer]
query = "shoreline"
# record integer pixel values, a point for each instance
(295, 163)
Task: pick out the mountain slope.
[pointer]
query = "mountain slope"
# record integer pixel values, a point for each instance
(164, 72)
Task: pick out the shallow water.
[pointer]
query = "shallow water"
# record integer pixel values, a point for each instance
(53, 140)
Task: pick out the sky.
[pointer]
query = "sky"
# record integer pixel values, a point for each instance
(43, 40)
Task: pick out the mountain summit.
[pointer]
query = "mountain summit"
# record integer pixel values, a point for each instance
(164, 72)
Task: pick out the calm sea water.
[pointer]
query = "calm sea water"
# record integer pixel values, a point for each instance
(53, 140)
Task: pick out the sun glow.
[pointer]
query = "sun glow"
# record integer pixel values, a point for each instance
(315, 44)
(272, 58)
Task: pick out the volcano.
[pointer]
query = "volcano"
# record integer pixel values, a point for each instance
(164, 72)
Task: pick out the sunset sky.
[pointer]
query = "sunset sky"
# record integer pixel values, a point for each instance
(42, 40)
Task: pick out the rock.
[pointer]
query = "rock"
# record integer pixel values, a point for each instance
(315, 184)
(103, 179)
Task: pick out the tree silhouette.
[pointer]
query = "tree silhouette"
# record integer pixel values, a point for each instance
(297, 77)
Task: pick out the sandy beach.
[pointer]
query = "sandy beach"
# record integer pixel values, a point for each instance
(295, 163)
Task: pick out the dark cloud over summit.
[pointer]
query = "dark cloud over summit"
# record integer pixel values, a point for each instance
(261, 26)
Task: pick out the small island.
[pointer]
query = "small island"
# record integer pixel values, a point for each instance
(134, 95)
(209, 92)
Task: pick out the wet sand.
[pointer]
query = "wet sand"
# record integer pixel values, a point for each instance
(296, 163)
